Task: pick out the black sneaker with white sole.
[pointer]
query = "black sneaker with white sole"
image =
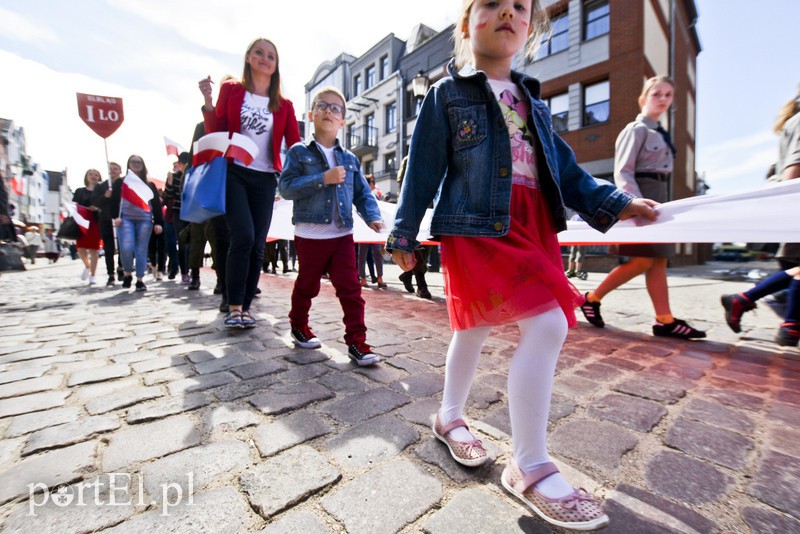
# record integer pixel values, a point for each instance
(677, 328)
(303, 337)
(362, 354)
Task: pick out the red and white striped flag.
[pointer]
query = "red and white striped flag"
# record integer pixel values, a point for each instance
(82, 216)
(173, 147)
(135, 191)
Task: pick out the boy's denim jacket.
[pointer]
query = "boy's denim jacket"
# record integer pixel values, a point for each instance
(301, 181)
(460, 155)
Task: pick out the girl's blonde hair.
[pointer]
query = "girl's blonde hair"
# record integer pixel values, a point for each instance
(539, 25)
(274, 92)
(86, 176)
(788, 110)
(650, 83)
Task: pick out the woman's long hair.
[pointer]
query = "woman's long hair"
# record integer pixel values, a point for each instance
(143, 173)
(787, 111)
(274, 92)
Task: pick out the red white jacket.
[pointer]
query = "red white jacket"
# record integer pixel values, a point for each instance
(227, 117)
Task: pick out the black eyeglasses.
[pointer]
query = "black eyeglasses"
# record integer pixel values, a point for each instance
(321, 106)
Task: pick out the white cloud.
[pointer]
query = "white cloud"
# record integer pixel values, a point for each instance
(20, 28)
(738, 163)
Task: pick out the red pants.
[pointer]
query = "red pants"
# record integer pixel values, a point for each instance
(336, 257)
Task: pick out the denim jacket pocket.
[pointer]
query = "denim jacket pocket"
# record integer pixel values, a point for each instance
(469, 126)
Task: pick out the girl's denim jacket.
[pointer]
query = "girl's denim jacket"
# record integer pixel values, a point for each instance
(460, 155)
(301, 181)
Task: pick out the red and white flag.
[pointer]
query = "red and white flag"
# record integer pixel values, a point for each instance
(173, 147)
(135, 191)
(82, 216)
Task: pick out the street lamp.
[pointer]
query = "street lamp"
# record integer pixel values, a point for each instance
(420, 84)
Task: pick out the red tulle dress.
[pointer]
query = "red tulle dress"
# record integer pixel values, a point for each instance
(498, 280)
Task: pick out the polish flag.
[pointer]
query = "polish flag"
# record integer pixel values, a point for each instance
(82, 216)
(135, 191)
(173, 147)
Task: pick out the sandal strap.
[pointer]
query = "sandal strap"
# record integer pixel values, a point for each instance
(536, 476)
(454, 424)
(233, 314)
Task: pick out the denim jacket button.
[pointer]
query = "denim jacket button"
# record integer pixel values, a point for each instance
(498, 226)
(503, 172)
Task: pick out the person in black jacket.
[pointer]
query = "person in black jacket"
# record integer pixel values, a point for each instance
(101, 199)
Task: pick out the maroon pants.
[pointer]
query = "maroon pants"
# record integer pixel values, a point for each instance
(336, 257)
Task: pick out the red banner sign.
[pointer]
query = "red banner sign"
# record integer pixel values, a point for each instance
(103, 114)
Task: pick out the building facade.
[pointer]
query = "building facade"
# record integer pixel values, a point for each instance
(592, 65)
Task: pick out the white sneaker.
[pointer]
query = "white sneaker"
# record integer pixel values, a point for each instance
(85, 274)
(91, 280)
(160, 275)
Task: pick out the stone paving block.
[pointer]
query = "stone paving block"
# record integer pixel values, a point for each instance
(169, 374)
(718, 445)
(86, 347)
(79, 363)
(166, 407)
(305, 356)
(279, 482)
(362, 406)
(123, 399)
(93, 515)
(217, 510)
(343, 383)
(148, 441)
(575, 386)
(685, 479)
(132, 357)
(52, 468)
(31, 422)
(244, 388)
(25, 355)
(764, 522)
(788, 396)
(719, 415)
(436, 453)
(155, 364)
(21, 374)
(622, 363)
(221, 364)
(421, 412)
(229, 418)
(372, 442)
(631, 412)
(742, 377)
(474, 510)
(776, 482)
(784, 413)
(69, 433)
(424, 385)
(649, 505)
(623, 520)
(297, 522)
(784, 439)
(408, 365)
(33, 403)
(289, 431)
(435, 359)
(669, 390)
(599, 443)
(304, 373)
(496, 423)
(261, 368)
(674, 370)
(384, 374)
(389, 496)
(102, 389)
(734, 398)
(194, 469)
(107, 372)
(283, 399)
(599, 372)
(199, 383)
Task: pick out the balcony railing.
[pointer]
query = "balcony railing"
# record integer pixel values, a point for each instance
(363, 140)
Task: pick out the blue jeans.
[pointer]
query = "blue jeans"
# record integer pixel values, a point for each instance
(250, 196)
(134, 236)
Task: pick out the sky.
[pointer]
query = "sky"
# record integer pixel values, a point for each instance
(152, 53)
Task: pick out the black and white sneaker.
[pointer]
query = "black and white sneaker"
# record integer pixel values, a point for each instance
(140, 286)
(591, 310)
(677, 328)
(362, 354)
(305, 338)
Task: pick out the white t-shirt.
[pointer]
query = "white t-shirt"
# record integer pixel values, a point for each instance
(336, 228)
(257, 124)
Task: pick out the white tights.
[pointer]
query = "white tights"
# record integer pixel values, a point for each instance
(530, 386)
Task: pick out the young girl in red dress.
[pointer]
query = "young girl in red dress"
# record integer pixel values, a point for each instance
(485, 148)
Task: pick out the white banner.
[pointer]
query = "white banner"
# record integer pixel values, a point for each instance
(768, 214)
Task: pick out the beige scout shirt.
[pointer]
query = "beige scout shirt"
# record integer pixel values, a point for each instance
(640, 148)
(789, 150)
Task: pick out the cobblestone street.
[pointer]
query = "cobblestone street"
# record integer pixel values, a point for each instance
(138, 412)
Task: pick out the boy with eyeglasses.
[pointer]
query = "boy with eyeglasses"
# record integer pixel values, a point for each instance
(324, 180)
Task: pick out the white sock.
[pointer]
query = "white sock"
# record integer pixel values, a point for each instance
(459, 371)
(530, 387)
